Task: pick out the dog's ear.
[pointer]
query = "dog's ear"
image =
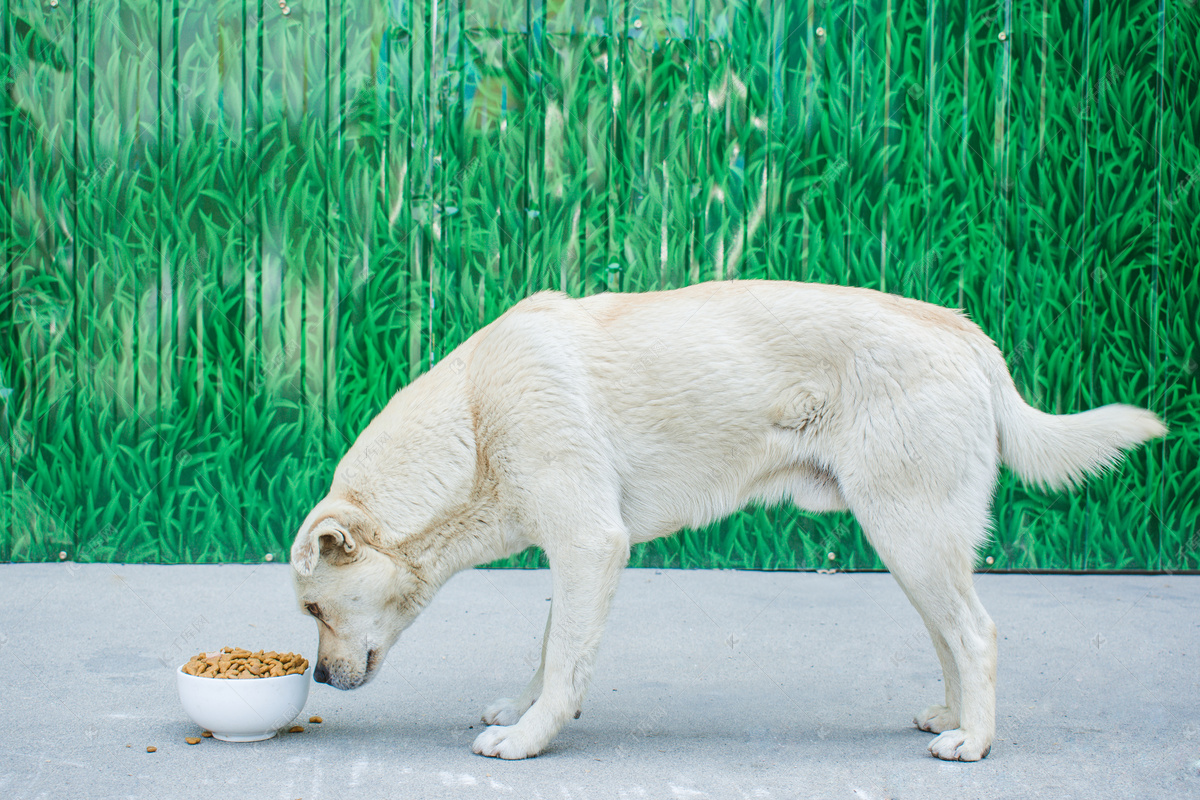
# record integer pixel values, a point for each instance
(326, 529)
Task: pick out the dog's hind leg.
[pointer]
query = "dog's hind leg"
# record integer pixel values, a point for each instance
(938, 718)
(585, 570)
(930, 557)
(916, 459)
(505, 711)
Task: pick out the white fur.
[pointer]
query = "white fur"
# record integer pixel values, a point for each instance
(586, 426)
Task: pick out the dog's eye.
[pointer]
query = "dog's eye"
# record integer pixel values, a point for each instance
(313, 609)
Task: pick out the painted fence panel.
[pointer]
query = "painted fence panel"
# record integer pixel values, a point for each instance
(232, 231)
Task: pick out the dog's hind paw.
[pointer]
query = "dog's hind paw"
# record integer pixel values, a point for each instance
(958, 745)
(936, 719)
(508, 742)
(502, 712)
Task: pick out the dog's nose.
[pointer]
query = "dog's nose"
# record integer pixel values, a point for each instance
(320, 674)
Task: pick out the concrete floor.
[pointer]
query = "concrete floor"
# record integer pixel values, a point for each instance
(709, 684)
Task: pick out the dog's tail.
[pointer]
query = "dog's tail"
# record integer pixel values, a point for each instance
(1060, 450)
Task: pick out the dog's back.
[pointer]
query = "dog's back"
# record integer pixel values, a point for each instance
(722, 393)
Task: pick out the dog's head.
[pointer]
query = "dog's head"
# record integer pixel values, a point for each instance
(361, 596)
(368, 557)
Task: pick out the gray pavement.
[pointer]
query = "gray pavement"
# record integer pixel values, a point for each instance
(709, 684)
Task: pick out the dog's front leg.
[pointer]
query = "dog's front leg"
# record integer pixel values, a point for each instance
(585, 576)
(505, 711)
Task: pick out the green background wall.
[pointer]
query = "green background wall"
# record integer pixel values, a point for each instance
(230, 233)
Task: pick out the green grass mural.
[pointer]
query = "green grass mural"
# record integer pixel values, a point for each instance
(232, 231)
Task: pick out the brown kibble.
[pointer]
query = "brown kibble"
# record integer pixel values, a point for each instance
(296, 729)
(192, 739)
(235, 662)
(315, 720)
(207, 734)
(151, 749)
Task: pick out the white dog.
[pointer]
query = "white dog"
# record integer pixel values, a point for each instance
(585, 426)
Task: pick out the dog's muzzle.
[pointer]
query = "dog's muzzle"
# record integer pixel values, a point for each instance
(342, 675)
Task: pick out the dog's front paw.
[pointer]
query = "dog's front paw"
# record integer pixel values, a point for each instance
(936, 719)
(509, 742)
(502, 712)
(958, 745)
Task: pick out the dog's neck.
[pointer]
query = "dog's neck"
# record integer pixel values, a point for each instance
(432, 488)
(471, 528)
(471, 535)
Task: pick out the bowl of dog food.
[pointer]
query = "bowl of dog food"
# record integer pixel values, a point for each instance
(243, 696)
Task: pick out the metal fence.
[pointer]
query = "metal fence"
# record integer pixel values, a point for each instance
(231, 231)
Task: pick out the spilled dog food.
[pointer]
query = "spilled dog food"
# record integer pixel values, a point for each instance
(237, 663)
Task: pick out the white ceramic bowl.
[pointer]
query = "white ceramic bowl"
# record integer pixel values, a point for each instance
(248, 710)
